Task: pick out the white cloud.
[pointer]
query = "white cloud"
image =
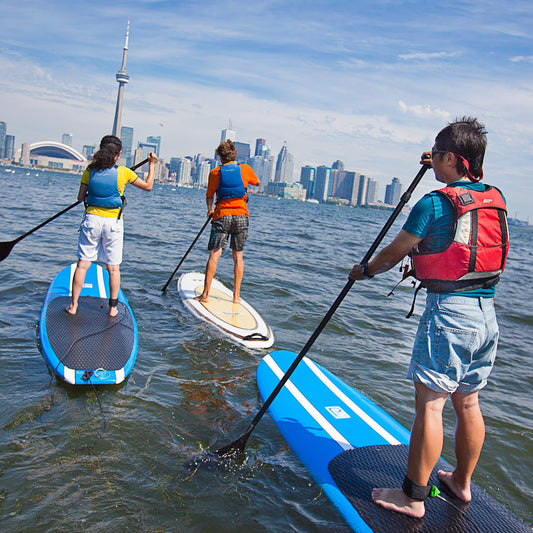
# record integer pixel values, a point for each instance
(425, 56)
(423, 111)
(522, 59)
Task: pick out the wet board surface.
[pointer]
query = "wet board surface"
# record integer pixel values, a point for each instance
(350, 445)
(240, 322)
(89, 347)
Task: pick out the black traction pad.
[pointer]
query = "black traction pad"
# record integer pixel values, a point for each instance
(90, 339)
(356, 472)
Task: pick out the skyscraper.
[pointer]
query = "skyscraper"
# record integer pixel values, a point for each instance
(122, 78)
(3, 131)
(243, 152)
(284, 166)
(156, 141)
(307, 179)
(393, 192)
(259, 143)
(322, 183)
(88, 150)
(67, 139)
(9, 147)
(126, 136)
(228, 133)
(372, 192)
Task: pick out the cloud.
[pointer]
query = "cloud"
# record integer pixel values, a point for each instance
(522, 59)
(425, 56)
(423, 111)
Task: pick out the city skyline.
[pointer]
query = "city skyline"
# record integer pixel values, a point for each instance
(368, 84)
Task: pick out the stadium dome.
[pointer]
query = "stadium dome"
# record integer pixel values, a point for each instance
(55, 149)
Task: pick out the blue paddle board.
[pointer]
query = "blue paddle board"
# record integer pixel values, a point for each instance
(350, 445)
(90, 347)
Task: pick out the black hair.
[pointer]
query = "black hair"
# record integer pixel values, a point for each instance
(466, 137)
(110, 147)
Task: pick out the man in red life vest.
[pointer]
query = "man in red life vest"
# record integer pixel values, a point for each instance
(458, 239)
(230, 215)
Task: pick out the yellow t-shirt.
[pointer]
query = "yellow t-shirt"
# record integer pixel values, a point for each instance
(125, 175)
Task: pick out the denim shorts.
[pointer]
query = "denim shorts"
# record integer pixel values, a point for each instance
(455, 345)
(101, 239)
(223, 227)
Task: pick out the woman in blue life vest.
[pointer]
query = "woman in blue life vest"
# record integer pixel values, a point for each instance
(102, 230)
(459, 241)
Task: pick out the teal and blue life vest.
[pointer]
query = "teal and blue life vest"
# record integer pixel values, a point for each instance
(230, 184)
(103, 189)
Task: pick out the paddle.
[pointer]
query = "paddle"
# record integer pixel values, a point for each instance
(237, 447)
(187, 253)
(7, 246)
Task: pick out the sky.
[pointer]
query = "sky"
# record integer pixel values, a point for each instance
(367, 83)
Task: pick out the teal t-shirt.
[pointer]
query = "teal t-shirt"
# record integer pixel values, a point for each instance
(432, 219)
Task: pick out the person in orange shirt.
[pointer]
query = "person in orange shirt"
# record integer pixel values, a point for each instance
(230, 215)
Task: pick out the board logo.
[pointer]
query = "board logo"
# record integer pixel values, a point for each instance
(337, 412)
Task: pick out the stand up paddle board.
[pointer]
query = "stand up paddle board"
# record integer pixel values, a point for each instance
(90, 346)
(240, 322)
(350, 445)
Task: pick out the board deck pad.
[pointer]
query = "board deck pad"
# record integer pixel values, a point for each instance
(89, 347)
(90, 339)
(359, 470)
(240, 322)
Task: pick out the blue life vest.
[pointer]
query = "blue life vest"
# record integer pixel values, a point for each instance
(230, 184)
(103, 189)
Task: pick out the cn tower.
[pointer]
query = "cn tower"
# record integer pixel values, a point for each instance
(122, 78)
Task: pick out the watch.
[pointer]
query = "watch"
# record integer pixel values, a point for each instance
(364, 271)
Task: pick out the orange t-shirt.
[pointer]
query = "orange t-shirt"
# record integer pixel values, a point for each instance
(230, 206)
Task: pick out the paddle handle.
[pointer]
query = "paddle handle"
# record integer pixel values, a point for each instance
(403, 201)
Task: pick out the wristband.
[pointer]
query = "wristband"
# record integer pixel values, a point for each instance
(364, 271)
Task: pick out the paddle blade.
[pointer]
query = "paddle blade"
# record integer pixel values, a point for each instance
(236, 448)
(5, 249)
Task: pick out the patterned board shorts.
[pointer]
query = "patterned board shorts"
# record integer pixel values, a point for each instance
(223, 227)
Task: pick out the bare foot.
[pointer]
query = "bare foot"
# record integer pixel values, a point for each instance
(236, 300)
(113, 311)
(71, 309)
(397, 500)
(202, 299)
(462, 492)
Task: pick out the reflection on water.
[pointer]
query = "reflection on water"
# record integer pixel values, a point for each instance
(191, 390)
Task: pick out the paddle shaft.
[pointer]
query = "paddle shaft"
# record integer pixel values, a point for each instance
(186, 253)
(10, 244)
(404, 199)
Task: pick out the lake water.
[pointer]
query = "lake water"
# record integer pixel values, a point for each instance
(68, 465)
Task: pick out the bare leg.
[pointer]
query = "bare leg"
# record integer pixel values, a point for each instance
(425, 447)
(77, 284)
(469, 438)
(210, 271)
(114, 285)
(238, 272)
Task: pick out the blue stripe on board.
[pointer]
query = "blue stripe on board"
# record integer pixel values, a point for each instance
(319, 423)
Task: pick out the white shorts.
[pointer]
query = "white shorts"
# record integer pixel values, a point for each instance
(101, 239)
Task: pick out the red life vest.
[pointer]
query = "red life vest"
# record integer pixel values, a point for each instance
(475, 256)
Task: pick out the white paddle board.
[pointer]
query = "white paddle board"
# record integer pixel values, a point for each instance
(238, 321)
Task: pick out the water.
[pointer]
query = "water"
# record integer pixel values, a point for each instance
(64, 467)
